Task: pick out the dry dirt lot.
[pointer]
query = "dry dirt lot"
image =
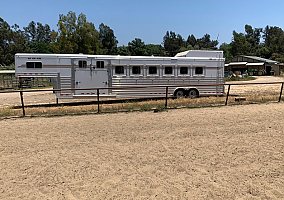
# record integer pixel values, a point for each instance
(257, 89)
(207, 153)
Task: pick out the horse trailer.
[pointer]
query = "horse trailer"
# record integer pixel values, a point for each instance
(192, 73)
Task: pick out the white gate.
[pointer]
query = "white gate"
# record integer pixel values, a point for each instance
(91, 78)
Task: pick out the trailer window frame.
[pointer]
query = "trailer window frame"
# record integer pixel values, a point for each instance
(34, 65)
(82, 64)
(181, 72)
(100, 64)
(119, 70)
(166, 72)
(198, 70)
(135, 67)
(151, 69)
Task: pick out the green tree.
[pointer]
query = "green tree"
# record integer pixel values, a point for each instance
(123, 51)
(137, 47)
(191, 41)
(274, 40)
(206, 43)
(173, 43)
(39, 37)
(227, 50)
(240, 45)
(107, 39)
(154, 50)
(77, 35)
(12, 41)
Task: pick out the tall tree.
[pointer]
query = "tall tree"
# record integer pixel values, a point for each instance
(206, 43)
(173, 43)
(123, 51)
(77, 35)
(154, 50)
(191, 41)
(107, 39)
(227, 50)
(39, 37)
(12, 41)
(240, 45)
(137, 47)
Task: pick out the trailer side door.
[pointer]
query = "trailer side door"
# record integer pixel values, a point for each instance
(87, 79)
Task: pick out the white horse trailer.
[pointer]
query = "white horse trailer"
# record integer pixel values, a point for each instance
(190, 73)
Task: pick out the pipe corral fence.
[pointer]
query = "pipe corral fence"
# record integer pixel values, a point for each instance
(166, 98)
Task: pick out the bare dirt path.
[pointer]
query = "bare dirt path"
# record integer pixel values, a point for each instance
(210, 153)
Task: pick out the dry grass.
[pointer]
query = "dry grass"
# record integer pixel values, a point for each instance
(157, 105)
(252, 94)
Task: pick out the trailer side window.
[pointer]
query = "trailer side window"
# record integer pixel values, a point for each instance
(119, 69)
(136, 70)
(100, 64)
(33, 64)
(153, 70)
(183, 70)
(168, 70)
(198, 70)
(82, 64)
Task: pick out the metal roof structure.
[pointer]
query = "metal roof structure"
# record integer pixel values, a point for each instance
(261, 59)
(7, 71)
(254, 64)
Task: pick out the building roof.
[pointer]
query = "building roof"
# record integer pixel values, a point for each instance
(237, 63)
(7, 71)
(244, 63)
(254, 64)
(261, 59)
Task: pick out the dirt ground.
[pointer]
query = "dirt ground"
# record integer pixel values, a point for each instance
(257, 89)
(8, 99)
(234, 152)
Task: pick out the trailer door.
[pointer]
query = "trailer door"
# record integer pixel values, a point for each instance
(91, 78)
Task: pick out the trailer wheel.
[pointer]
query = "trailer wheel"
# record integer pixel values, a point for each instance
(179, 93)
(193, 93)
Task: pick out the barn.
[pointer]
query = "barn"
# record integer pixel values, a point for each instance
(254, 66)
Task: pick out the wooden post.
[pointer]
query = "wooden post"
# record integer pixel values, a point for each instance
(281, 92)
(166, 103)
(98, 99)
(228, 95)
(22, 102)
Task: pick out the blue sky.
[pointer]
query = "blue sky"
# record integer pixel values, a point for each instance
(150, 19)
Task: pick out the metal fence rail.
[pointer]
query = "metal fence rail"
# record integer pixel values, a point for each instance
(21, 92)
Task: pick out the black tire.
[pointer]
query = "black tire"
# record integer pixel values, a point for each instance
(179, 93)
(193, 93)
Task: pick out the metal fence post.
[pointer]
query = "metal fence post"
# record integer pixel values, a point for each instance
(98, 99)
(281, 92)
(228, 95)
(22, 102)
(166, 103)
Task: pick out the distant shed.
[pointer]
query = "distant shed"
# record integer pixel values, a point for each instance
(253, 65)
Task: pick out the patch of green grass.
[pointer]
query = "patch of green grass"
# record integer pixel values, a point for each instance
(8, 112)
(236, 78)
